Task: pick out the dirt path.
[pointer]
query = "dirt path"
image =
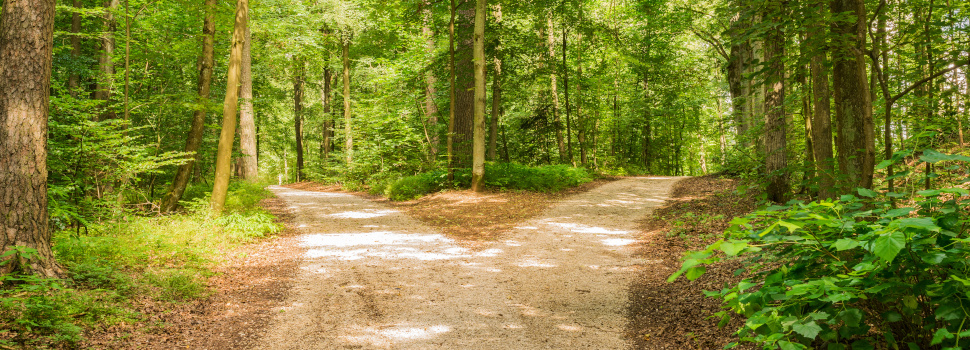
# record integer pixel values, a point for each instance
(373, 278)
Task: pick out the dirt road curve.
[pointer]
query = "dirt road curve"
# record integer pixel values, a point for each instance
(374, 278)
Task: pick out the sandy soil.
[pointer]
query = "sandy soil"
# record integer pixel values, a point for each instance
(373, 278)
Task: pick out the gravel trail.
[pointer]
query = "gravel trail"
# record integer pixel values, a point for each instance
(374, 278)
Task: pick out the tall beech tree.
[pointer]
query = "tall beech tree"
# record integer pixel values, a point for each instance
(478, 152)
(248, 163)
(220, 185)
(26, 45)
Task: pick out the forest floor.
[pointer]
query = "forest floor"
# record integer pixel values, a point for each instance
(581, 269)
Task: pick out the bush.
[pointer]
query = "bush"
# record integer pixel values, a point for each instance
(410, 187)
(853, 272)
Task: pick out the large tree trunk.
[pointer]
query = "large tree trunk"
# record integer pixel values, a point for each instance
(74, 80)
(298, 78)
(478, 149)
(464, 117)
(348, 127)
(775, 139)
(853, 107)
(554, 91)
(26, 44)
(248, 162)
(565, 89)
(822, 120)
(224, 156)
(194, 140)
(105, 80)
(451, 91)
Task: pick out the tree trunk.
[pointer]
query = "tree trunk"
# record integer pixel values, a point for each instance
(224, 156)
(853, 107)
(105, 62)
(298, 77)
(775, 139)
(248, 162)
(74, 80)
(194, 140)
(478, 149)
(739, 60)
(26, 45)
(565, 88)
(430, 108)
(326, 145)
(554, 89)
(451, 92)
(822, 120)
(348, 129)
(496, 110)
(464, 118)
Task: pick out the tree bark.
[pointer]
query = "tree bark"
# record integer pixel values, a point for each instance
(348, 127)
(105, 62)
(554, 90)
(478, 148)
(464, 117)
(451, 91)
(565, 88)
(26, 45)
(194, 140)
(776, 159)
(430, 108)
(326, 145)
(248, 162)
(224, 155)
(298, 78)
(853, 107)
(821, 118)
(74, 80)
(496, 110)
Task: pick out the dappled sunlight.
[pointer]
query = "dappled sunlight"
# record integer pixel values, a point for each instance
(570, 328)
(387, 245)
(384, 336)
(362, 214)
(618, 242)
(534, 262)
(580, 228)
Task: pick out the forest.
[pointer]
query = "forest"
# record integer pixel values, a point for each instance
(137, 138)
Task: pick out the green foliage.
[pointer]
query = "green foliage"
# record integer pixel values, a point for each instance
(857, 271)
(506, 176)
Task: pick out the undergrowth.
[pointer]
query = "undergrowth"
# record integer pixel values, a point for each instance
(869, 270)
(165, 258)
(506, 176)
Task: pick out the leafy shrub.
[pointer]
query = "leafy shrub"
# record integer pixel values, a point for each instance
(410, 187)
(853, 272)
(176, 285)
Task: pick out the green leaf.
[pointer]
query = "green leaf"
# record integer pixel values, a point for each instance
(898, 212)
(791, 226)
(862, 345)
(808, 330)
(834, 346)
(892, 316)
(787, 345)
(845, 244)
(931, 156)
(734, 247)
(918, 223)
(695, 272)
(851, 317)
(888, 246)
(941, 335)
(949, 312)
(865, 192)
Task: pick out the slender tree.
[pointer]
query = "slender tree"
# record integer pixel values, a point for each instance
(26, 45)
(478, 152)
(348, 127)
(194, 140)
(220, 185)
(299, 71)
(106, 61)
(776, 158)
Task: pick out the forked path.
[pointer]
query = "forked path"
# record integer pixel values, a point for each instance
(374, 278)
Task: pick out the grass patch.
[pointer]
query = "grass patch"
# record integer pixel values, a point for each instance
(165, 259)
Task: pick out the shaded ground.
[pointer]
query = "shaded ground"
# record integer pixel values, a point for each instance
(374, 278)
(675, 315)
(246, 290)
